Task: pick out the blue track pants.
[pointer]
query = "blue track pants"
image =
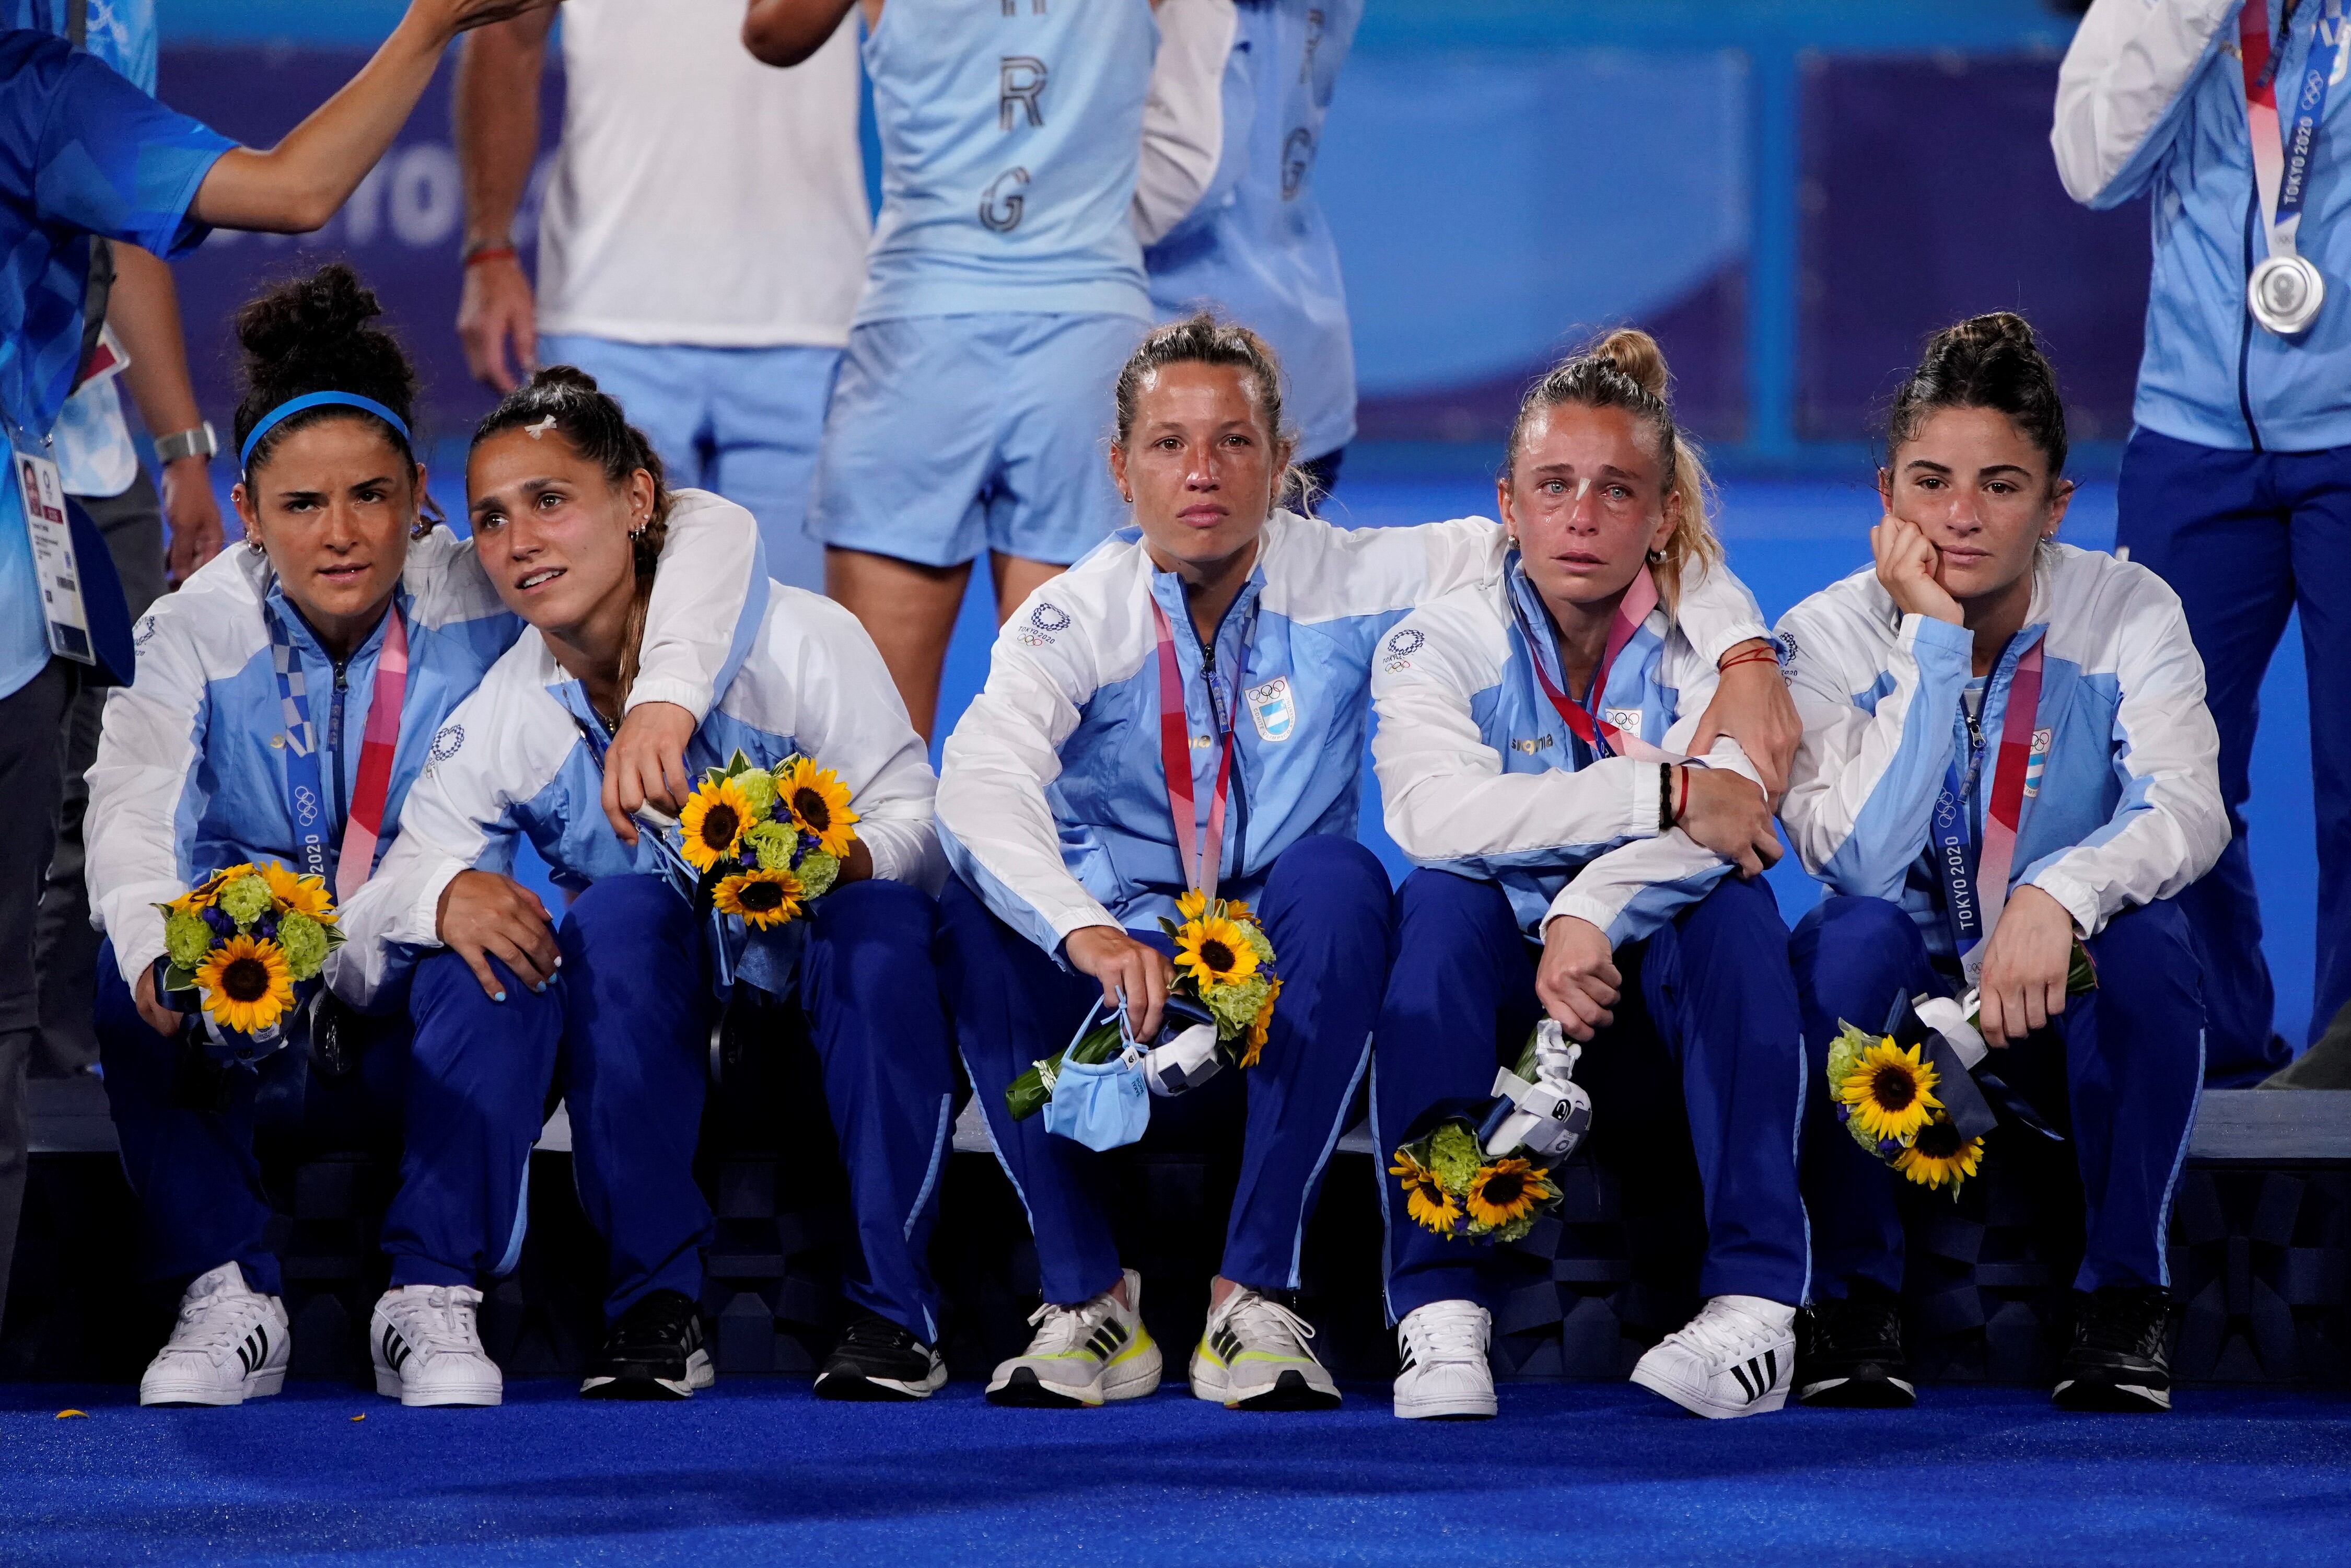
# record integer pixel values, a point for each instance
(2119, 1072)
(2244, 538)
(468, 1094)
(1713, 992)
(1327, 909)
(629, 1020)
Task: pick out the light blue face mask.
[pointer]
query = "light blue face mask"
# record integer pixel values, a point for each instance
(1104, 1106)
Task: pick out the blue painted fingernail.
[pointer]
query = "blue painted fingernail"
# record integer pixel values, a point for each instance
(497, 996)
(540, 988)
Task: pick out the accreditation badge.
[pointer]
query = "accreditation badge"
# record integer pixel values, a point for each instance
(54, 562)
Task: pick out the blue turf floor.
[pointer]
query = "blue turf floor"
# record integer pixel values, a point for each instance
(760, 1472)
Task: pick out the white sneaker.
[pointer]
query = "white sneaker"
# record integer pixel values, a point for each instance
(1253, 1355)
(229, 1345)
(1445, 1376)
(1083, 1355)
(1735, 1358)
(427, 1350)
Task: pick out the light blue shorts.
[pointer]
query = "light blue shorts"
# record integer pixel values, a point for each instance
(741, 422)
(950, 435)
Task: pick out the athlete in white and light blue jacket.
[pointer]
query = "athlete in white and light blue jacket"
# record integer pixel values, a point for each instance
(1967, 839)
(617, 1005)
(1532, 755)
(198, 768)
(2232, 484)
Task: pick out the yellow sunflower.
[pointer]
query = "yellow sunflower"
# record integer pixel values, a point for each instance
(818, 801)
(245, 983)
(1260, 1026)
(205, 894)
(1191, 906)
(1940, 1155)
(1215, 951)
(300, 894)
(1892, 1092)
(1507, 1190)
(760, 898)
(1425, 1197)
(713, 823)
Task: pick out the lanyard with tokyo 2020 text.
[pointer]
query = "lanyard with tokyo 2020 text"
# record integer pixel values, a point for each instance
(1974, 895)
(1197, 850)
(305, 791)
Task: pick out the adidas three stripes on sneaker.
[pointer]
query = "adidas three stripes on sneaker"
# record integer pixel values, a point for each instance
(230, 1343)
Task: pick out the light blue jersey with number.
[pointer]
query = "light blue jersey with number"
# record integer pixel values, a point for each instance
(1011, 132)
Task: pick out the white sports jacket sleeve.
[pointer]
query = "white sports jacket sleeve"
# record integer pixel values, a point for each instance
(1715, 611)
(2120, 91)
(1443, 793)
(1861, 793)
(1637, 887)
(153, 734)
(2170, 827)
(709, 597)
(1183, 116)
(996, 767)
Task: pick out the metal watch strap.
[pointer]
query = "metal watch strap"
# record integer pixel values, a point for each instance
(198, 442)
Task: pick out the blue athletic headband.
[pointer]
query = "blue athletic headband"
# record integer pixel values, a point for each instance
(294, 405)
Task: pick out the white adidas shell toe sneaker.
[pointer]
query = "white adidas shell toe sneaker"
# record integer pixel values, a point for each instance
(428, 1350)
(1735, 1358)
(1446, 1375)
(229, 1345)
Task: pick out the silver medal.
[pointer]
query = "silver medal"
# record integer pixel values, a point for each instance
(2285, 295)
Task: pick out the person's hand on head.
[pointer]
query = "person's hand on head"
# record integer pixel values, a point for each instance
(1907, 566)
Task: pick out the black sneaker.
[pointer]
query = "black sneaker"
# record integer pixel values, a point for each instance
(876, 1359)
(654, 1352)
(2121, 1359)
(1849, 1353)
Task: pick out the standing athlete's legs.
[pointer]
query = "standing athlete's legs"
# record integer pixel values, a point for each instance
(765, 418)
(1053, 499)
(2319, 485)
(2213, 525)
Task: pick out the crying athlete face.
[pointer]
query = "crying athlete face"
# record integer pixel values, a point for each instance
(551, 530)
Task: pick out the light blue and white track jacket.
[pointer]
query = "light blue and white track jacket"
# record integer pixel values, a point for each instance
(1053, 801)
(523, 757)
(2127, 807)
(191, 770)
(1480, 777)
(2151, 100)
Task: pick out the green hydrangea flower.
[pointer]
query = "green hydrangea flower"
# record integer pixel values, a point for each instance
(305, 942)
(1258, 943)
(186, 938)
(817, 872)
(246, 900)
(773, 844)
(758, 787)
(1516, 1230)
(1454, 1155)
(1236, 1007)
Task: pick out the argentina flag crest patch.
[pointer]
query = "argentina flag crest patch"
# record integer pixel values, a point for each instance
(1273, 710)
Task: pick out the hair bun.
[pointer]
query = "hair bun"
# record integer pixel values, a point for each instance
(310, 317)
(1636, 354)
(570, 378)
(317, 333)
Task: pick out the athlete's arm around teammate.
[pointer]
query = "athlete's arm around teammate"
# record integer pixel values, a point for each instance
(1531, 754)
(2006, 750)
(569, 512)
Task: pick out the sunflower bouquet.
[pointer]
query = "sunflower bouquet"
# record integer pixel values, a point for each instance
(1484, 1174)
(1919, 1094)
(242, 941)
(1224, 980)
(765, 842)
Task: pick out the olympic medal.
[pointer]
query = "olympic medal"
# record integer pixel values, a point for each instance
(2285, 293)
